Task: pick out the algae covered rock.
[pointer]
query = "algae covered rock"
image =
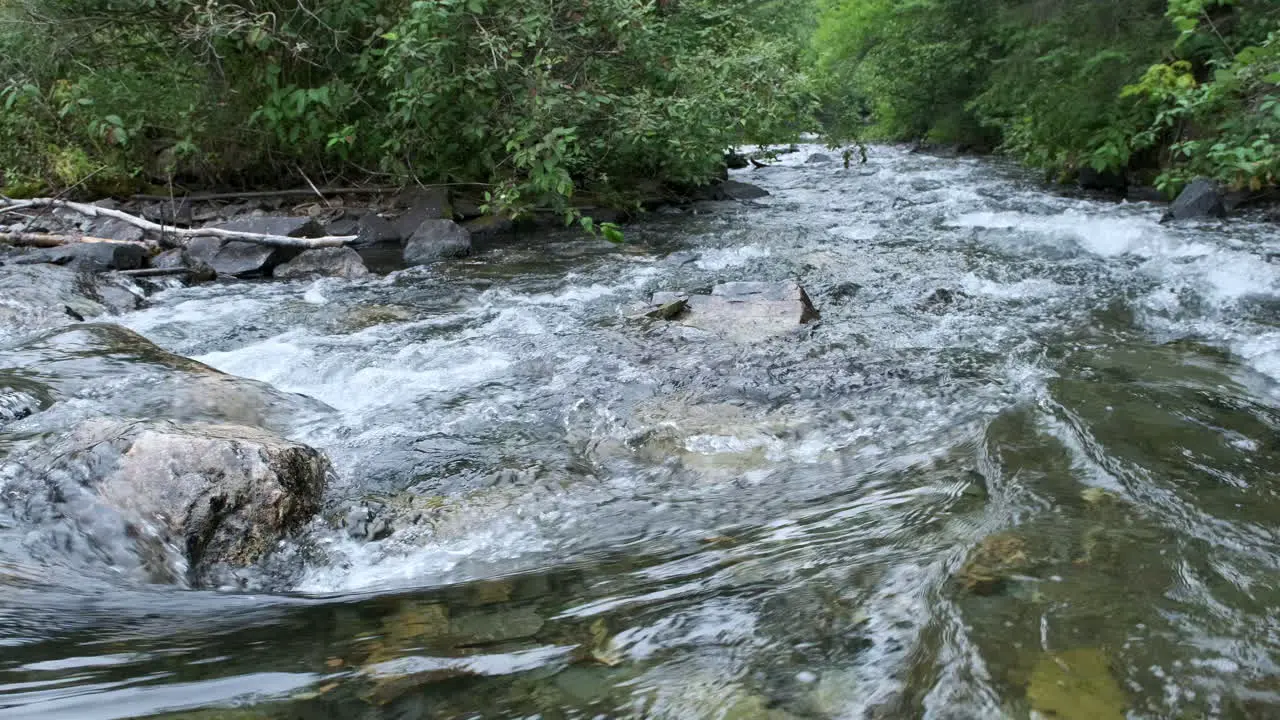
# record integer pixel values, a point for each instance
(1076, 685)
(992, 562)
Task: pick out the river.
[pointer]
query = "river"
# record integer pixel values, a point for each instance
(1026, 463)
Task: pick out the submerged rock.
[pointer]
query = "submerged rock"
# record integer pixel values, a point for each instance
(819, 159)
(1200, 199)
(1076, 685)
(436, 240)
(324, 262)
(992, 562)
(740, 310)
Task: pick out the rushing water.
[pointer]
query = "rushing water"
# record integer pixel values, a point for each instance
(1050, 487)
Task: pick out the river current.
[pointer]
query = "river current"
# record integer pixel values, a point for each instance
(1026, 465)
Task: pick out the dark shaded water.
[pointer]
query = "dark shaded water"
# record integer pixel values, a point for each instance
(1048, 490)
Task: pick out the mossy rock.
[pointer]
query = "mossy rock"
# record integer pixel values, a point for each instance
(992, 561)
(1076, 685)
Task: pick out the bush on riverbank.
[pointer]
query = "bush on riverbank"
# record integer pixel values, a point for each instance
(538, 100)
(1174, 88)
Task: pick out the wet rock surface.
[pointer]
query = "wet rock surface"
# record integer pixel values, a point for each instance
(99, 369)
(741, 310)
(436, 240)
(96, 256)
(1200, 199)
(323, 262)
(236, 258)
(194, 500)
(41, 296)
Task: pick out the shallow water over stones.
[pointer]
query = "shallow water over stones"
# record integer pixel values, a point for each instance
(1029, 446)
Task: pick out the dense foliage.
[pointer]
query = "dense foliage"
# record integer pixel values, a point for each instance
(1166, 89)
(536, 99)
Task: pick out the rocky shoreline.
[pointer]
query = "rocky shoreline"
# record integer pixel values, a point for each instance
(177, 472)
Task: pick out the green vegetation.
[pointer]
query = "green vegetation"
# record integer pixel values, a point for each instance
(535, 100)
(1166, 89)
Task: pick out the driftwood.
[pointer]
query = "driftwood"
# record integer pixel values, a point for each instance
(46, 240)
(186, 233)
(155, 272)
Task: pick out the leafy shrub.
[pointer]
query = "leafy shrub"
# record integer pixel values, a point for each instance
(538, 100)
(1179, 87)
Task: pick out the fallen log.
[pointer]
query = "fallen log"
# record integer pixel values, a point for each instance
(48, 240)
(154, 272)
(186, 233)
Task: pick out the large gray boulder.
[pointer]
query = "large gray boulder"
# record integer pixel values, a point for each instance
(188, 502)
(182, 259)
(436, 240)
(740, 310)
(324, 262)
(236, 258)
(110, 228)
(1200, 199)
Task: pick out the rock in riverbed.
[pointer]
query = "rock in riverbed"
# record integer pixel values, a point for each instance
(436, 240)
(245, 259)
(1200, 199)
(324, 262)
(223, 495)
(739, 310)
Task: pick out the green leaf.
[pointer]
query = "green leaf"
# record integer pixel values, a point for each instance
(612, 233)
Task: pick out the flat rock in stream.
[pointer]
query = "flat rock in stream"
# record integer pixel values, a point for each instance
(222, 495)
(739, 310)
(340, 262)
